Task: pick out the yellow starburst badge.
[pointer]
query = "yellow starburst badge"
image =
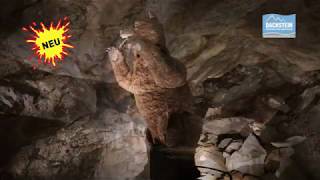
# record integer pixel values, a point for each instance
(49, 43)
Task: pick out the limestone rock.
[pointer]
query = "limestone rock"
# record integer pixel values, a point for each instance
(249, 159)
(186, 46)
(233, 146)
(292, 141)
(50, 97)
(94, 27)
(209, 160)
(227, 125)
(112, 141)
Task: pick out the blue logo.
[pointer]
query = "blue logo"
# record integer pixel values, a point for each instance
(278, 26)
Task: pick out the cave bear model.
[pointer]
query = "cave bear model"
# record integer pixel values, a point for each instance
(157, 80)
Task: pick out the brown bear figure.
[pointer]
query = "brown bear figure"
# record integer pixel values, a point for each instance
(157, 80)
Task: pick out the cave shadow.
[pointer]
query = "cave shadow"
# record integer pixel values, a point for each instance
(176, 161)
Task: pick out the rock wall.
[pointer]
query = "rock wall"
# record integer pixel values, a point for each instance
(74, 121)
(71, 121)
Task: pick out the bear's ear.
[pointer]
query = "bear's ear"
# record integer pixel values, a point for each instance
(150, 14)
(152, 18)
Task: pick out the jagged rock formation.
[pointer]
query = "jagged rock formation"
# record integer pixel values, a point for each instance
(67, 121)
(230, 68)
(109, 146)
(234, 69)
(231, 148)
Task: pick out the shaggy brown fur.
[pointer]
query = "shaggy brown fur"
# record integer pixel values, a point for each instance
(157, 81)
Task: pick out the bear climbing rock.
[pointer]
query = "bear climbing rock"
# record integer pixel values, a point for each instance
(157, 80)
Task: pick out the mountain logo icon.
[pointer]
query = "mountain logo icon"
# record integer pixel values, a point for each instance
(274, 18)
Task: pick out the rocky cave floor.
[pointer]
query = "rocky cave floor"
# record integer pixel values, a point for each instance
(74, 121)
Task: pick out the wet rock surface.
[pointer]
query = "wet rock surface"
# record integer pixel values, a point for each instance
(106, 148)
(227, 152)
(59, 122)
